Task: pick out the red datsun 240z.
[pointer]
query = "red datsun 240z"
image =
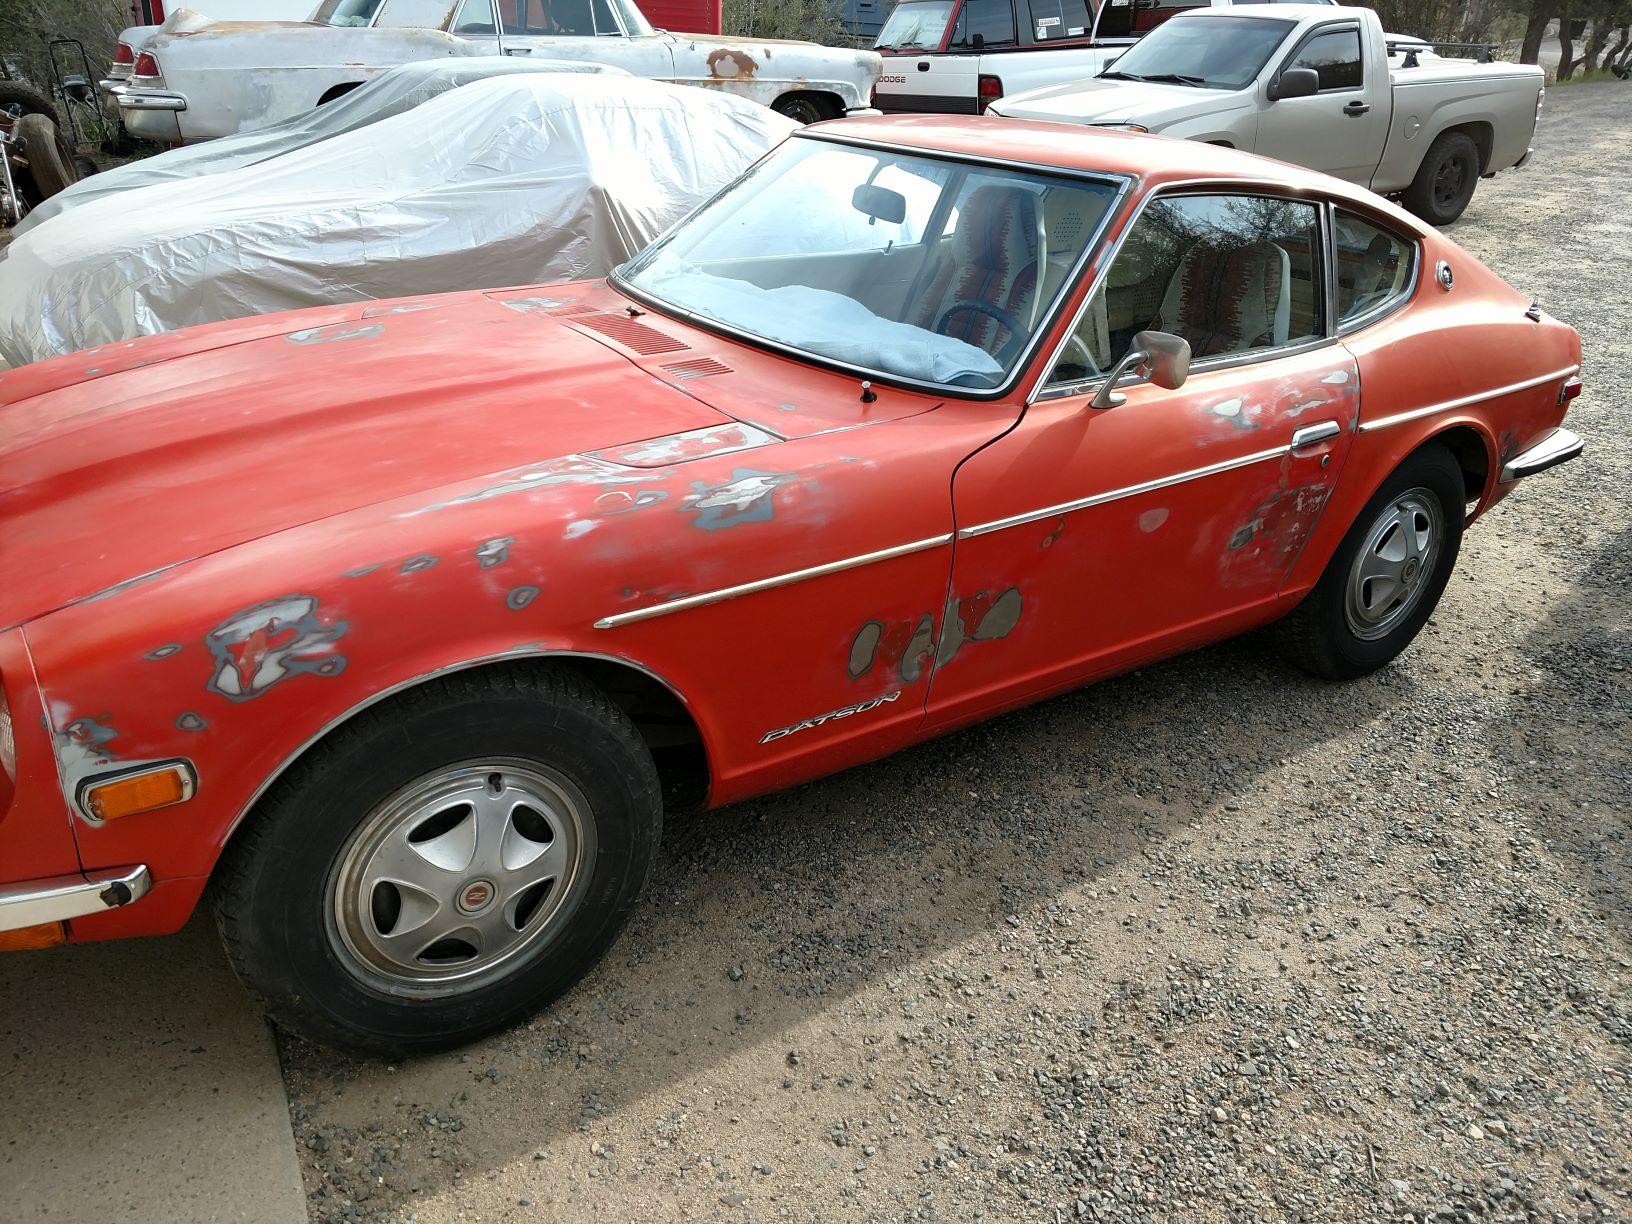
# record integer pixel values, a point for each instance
(402, 625)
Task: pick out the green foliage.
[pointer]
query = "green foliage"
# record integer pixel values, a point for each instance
(813, 20)
(26, 25)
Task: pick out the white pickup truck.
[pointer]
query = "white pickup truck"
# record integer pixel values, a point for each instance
(1316, 86)
(954, 57)
(196, 79)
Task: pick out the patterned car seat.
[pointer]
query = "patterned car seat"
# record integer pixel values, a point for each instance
(993, 259)
(1229, 299)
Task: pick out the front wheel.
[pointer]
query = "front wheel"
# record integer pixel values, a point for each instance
(1387, 575)
(445, 865)
(1445, 181)
(805, 107)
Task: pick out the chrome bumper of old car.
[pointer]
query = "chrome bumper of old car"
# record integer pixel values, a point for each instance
(34, 902)
(132, 98)
(1558, 447)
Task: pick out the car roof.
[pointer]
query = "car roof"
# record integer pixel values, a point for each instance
(1287, 12)
(1153, 161)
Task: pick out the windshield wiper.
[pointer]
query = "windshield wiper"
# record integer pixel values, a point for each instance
(1175, 78)
(1111, 74)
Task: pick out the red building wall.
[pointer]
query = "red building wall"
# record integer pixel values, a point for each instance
(683, 16)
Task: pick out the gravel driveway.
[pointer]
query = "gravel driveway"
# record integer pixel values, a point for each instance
(1210, 941)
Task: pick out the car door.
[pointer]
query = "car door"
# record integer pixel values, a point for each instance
(1093, 539)
(1341, 129)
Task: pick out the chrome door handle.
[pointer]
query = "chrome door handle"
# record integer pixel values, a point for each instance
(1310, 435)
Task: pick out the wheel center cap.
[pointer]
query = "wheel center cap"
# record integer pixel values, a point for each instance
(1410, 570)
(476, 896)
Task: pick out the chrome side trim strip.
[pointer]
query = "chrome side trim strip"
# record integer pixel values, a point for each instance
(1099, 499)
(33, 902)
(1399, 418)
(765, 584)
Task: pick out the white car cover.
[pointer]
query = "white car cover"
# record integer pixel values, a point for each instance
(511, 181)
(391, 93)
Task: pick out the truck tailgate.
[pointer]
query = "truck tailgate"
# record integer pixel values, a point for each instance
(939, 84)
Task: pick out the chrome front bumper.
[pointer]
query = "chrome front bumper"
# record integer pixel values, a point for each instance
(1558, 447)
(34, 902)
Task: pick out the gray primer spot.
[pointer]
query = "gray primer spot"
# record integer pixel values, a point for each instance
(1150, 520)
(162, 652)
(189, 721)
(1001, 617)
(921, 644)
(519, 597)
(341, 331)
(414, 564)
(360, 571)
(951, 632)
(528, 305)
(494, 552)
(864, 648)
(1242, 536)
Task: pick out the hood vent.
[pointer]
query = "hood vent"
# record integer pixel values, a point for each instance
(697, 367)
(646, 341)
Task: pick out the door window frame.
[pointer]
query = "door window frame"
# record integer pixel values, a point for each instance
(1388, 306)
(1325, 284)
(1330, 27)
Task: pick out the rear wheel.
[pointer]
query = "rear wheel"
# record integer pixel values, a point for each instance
(1445, 180)
(445, 865)
(1385, 579)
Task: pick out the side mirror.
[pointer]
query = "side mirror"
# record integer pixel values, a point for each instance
(1163, 357)
(1295, 83)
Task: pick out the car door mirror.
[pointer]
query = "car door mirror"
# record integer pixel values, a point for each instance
(1161, 356)
(1295, 83)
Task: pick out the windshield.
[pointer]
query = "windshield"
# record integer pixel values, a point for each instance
(1211, 52)
(894, 264)
(346, 12)
(915, 25)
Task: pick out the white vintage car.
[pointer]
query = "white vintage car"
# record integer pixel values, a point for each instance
(197, 79)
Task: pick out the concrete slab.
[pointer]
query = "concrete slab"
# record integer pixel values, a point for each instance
(139, 1083)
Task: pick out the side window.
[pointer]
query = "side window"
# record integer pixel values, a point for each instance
(1373, 267)
(1230, 273)
(992, 21)
(1052, 20)
(1335, 57)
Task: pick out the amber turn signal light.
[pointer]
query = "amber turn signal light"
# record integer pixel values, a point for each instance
(131, 793)
(24, 939)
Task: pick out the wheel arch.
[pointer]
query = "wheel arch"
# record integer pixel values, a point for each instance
(338, 91)
(825, 99)
(1467, 438)
(664, 718)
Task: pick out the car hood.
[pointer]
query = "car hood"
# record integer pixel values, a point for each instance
(119, 462)
(1150, 105)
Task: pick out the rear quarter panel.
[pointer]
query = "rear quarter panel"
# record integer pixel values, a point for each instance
(1502, 96)
(1467, 358)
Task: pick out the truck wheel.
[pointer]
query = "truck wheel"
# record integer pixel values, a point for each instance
(33, 101)
(805, 107)
(1445, 180)
(443, 865)
(1387, 575)
(50, 159)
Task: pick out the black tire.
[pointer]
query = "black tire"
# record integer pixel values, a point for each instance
(805, 107)
(33, 101)
(50, 157)
(1445, 180)
(1320, 634)
(277, 887)
(84, 166)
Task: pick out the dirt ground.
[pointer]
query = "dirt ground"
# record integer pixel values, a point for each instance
(1210, 941)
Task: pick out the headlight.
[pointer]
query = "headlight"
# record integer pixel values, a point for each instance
(1123, 127)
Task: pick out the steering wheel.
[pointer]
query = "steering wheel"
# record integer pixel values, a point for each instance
(1090, 366)
(1016, 333)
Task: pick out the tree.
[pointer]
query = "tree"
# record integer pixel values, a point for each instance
(26, 26)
